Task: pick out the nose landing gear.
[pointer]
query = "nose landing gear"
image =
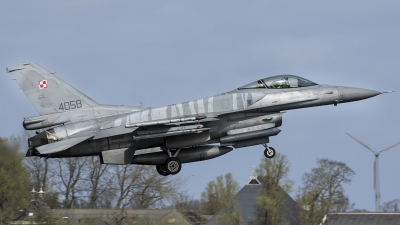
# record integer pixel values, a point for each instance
(269, 152)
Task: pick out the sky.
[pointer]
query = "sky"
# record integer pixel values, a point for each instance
(165, 52)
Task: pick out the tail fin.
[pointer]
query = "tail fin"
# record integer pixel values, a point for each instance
(48, 93)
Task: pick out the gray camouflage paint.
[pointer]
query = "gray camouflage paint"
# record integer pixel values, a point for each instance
(104, 128)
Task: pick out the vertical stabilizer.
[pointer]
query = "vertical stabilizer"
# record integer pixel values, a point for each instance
(48, 93)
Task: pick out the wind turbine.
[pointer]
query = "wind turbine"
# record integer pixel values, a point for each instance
(376, 169)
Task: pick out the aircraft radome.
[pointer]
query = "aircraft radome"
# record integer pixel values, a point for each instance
(186, 132)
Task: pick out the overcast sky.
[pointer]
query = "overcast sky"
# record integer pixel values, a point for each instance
(164, 52)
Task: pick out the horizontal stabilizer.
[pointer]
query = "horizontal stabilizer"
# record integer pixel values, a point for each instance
(61, 145)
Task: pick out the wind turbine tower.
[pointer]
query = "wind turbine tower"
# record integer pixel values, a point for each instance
(376, 169)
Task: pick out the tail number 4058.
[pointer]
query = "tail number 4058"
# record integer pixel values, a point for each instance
(70, 105)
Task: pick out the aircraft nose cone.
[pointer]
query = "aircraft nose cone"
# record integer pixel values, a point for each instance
(349, 94)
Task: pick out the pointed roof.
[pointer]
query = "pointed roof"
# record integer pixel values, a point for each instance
(254, 178)
(41, 191)
(247, 198)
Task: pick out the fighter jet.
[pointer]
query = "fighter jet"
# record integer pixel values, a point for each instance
(186, 132)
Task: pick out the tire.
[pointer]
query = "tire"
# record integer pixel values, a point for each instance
(161, 170)
(269, 152)
(173, 165)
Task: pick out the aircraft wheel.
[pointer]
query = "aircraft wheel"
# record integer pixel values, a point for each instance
(269, 152)
(173, 165)
(161, 170)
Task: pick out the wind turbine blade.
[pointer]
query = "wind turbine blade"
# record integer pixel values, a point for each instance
(392, 146)
(361, 142)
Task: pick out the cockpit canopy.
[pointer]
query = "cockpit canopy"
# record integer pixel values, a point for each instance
(280, 81)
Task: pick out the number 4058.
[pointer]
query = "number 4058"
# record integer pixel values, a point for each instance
(70, 105)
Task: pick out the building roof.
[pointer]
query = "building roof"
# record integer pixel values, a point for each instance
(194, 218)
(363, 219)
(247, 198)
(101, 216)
(36, 205)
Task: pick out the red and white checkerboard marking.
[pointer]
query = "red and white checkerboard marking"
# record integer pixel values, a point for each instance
(42, 84)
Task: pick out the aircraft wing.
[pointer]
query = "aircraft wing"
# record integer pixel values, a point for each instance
(62, 145)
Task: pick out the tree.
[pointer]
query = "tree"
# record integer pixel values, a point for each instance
(230, 214)
(391, 206)
(322, 190)
(14, 181)
(152, 189)
(39, 170)
(184, 202)
(218, 193)
(273, 175)
(70, 171)
(97, 181)
(126, 176)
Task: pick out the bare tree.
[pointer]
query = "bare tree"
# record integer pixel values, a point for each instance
(152, 190)
(97, 181)
(184, 202)
(322, 190)
(391, 206)
(127, 177)
(38, 169)
(70, 172)
(117, 218)
(107, 199)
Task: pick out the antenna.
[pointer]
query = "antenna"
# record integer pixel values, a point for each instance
(376, 169)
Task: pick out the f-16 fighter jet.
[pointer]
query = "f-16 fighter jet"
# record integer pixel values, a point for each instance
(186, 132)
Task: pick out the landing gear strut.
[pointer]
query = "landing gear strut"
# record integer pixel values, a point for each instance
(171, 166)
(269, 152)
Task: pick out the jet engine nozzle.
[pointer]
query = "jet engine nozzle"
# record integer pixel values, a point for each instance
(349, 94)
(46, 137)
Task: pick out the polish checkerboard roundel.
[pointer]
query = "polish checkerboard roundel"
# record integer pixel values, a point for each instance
(42, 84)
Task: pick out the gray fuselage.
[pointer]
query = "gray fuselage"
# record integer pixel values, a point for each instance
(235, 110)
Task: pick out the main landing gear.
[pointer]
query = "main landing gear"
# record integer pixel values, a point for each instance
(171, 166)
(269, 152)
